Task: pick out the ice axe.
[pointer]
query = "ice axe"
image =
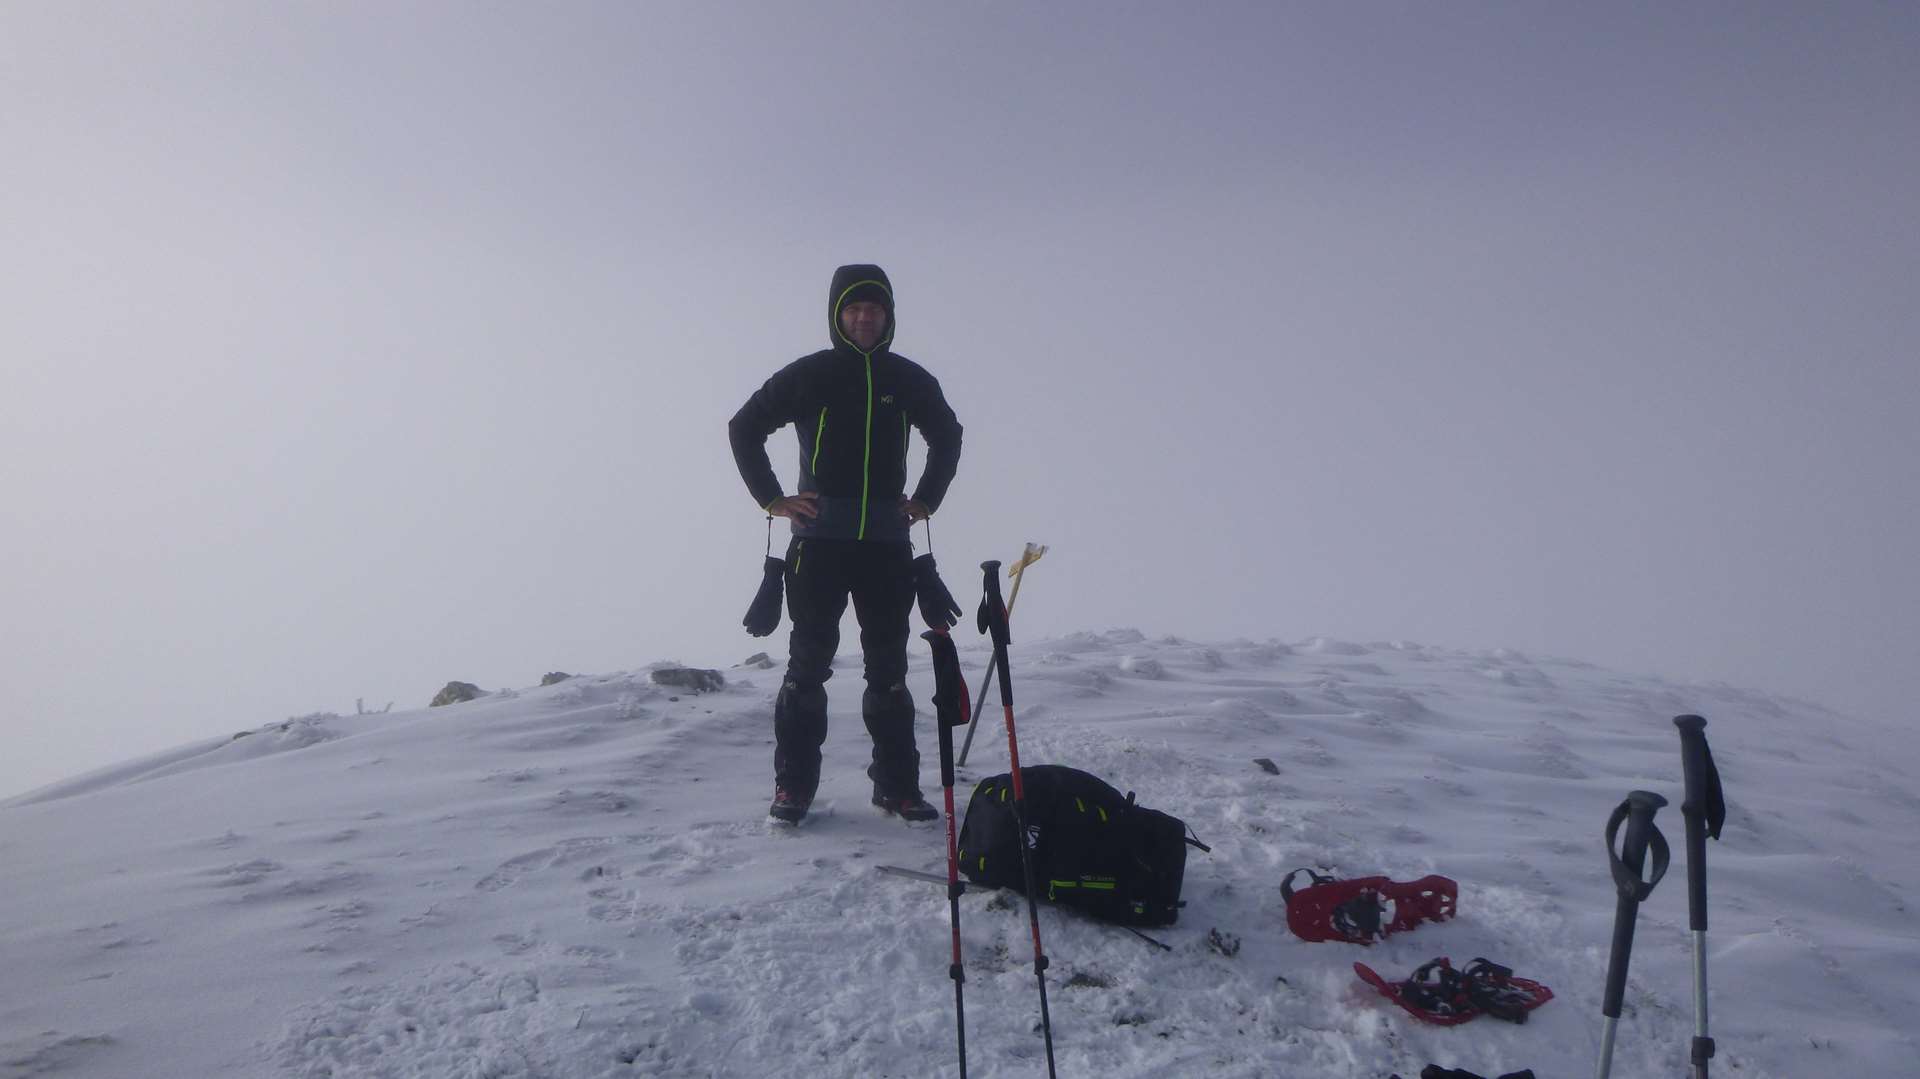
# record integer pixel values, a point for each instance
(1017, 571)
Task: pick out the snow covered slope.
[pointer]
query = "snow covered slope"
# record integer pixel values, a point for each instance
(576, 881)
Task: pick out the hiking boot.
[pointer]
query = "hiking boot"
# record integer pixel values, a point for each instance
(789, 805)
(906, 806)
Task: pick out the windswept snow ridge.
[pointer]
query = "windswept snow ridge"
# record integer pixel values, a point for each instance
(577, 881)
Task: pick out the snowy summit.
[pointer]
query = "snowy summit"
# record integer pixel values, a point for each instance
(578, 882)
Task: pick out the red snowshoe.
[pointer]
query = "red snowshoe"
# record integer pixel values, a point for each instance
(1443, 996)
(1363, 910)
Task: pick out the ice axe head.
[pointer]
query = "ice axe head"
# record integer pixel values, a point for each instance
(1027, 558)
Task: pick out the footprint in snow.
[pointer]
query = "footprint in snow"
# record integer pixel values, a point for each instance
(565, 852)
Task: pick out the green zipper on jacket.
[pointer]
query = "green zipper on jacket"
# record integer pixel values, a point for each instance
(819, 436)
(866, 467)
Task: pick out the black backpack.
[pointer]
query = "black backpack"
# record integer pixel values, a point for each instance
(1092, 849)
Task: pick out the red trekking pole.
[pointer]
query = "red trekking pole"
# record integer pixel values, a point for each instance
(1018, 571)
(993, 620)
(950, 704)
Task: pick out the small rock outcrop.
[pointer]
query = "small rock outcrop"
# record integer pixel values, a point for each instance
(553, 677)
(456, 693)
(697, 679)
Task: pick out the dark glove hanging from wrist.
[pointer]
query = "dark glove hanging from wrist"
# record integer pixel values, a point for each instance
(763, 615)
(936, 603)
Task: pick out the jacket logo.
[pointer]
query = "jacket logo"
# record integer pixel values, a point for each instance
(887, 400)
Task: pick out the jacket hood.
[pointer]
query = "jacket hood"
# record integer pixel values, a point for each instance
(848, 282)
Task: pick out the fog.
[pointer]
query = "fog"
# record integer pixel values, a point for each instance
(347, 349)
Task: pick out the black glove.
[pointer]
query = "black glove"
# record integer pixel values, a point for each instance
(936, 603)
(763, 616)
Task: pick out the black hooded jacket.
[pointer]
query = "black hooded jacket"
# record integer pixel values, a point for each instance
(852, 411)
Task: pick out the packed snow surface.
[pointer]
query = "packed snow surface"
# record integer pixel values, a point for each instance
(578, 881)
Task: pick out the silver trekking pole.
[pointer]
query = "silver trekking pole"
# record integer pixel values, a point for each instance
(1705, 810)
(1637, 813)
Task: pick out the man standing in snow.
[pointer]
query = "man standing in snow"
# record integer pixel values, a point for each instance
(852, 406)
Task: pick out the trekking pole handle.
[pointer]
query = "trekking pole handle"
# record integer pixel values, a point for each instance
(1637, 813)
(993, 610)
(946, 697)
(1703, 809)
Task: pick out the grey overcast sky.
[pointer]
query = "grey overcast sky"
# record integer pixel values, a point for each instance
(349, 348)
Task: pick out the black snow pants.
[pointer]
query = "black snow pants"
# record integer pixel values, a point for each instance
(821, 575)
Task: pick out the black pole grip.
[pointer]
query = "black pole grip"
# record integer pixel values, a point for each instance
(948, 686)
(946, 756)
(993, 620)
(1705, 811)
(993, 610)
(1637, 813)
(989, 588)
(991, 607)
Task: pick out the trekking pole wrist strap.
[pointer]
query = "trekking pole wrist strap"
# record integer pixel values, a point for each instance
(1625, 879)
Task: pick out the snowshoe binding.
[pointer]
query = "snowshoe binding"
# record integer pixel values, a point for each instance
(1365, 909)
(1443, 996)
